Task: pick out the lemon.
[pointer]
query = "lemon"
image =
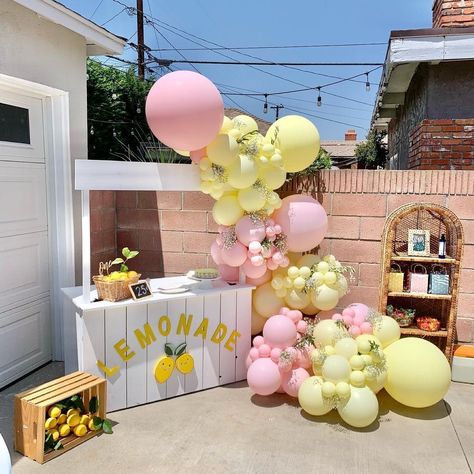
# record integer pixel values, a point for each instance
(164, 368)
(114, 276)
(72, 411)
(62, 419)
(185, 363)
(64, 430)
(132, 274)
(73, 420)
(91, 426)
(54, 433)
(50, 423)
(80, 430)
(85, 419)
(123, 276)
(54, 412)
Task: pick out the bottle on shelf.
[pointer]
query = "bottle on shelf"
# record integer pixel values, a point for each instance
(442, 246)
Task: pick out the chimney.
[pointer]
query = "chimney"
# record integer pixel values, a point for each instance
(450, 14)
(350, 136)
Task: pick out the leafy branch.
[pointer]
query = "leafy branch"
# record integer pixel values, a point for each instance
(128, 254)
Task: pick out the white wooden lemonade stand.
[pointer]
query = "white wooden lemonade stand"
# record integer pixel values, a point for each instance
(122, 341)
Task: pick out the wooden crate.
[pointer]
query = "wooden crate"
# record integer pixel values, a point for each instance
(30, 412)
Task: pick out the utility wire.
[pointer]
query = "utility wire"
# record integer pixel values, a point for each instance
(113, 18)
(96, 8)
(266, 63)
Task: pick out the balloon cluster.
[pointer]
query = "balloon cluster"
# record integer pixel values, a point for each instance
(346, 370)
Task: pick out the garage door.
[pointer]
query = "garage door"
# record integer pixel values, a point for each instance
(25, 325)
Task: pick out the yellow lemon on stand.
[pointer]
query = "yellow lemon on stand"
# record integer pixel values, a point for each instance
(54, 412)
(80, 430)
(50, 423)
(64, 430)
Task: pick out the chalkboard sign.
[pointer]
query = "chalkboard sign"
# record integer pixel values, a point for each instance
(140, 290)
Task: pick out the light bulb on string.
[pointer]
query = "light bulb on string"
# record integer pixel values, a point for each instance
(319, 101)
(367, 83)
(114, 96)
(139, 110)
(92, 130)
(114, 133)
(265, 105)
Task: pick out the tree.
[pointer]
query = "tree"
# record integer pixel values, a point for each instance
(372, 153)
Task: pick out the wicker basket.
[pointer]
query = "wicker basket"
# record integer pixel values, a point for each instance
(116, 290)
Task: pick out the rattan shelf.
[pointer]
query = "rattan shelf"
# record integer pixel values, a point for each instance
(437, 220)
(428, 296)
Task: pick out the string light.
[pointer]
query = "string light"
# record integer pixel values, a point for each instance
(265, 105)
(367, 83)
(92, 130)
(319, 101)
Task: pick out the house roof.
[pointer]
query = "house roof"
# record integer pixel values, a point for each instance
(406, 50)
(263, 125)
(340, 148)
(99, 40)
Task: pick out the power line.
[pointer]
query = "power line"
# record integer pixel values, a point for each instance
(267, 63)
(96, 8)
(113, 18)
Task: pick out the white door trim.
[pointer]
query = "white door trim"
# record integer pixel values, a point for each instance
(59, 186)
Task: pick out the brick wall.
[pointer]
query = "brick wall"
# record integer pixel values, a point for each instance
(442, 144)
(453, 14)
(174, 230)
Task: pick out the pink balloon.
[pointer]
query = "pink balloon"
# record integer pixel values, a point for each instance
(284, 310)
(301, 326)
(291, 381)
(253, 271)
(366, 328)
(197, 155)
(279, 331)
(275, 354)
(254, 353)
(359, 309)
(255, 247)
(229, 274)
(337, 317)
(295, 315)
(286, 262)
(264, 350)
(271, 264)
(347, 320)
(264, 377)
(348, 312)
(184, 110)
(235, 256)
(247, 231)
(355, 331)
(257, 260)
(278, 258)
(303, 360)
(357, 320)
(216, 253)
(266, 277)
(303, 220)
(258, 341)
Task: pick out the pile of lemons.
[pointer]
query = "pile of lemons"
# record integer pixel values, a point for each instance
(60, 424)
(120, 276)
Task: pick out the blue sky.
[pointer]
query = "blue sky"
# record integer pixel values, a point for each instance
(272, 23)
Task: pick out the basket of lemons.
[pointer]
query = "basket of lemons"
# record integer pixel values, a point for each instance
(114, 286)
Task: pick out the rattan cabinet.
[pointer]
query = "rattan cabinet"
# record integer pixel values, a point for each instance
(437, 220)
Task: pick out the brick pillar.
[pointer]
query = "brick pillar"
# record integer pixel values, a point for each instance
(442, 145)
(449, 14)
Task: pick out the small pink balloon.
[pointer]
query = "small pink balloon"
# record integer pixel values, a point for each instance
(264, 377)
(279, 331)
(301, 326)
(235, 256)
(366, 328)
(278, 258)
(257, 260)
(216, 253)
(303, 360)
(286, 262)
(229, 274)
(266, 277)
(292, 353)
(248, 231)
(270, 231)
(197, 155)
(295, 315)
(270, 222)
(292, 381)
(258, 341)
(184, 110)
(275, 354)
(271, 264)
(355, 331)
(284, 310)
(264, 350)
(337, 317)
(266, 252)
(348, 312)
(284, 365)
(248, 362)
(347, 320)
(254, 354)
(255, 247)
(357, 320)
(252, 270)
(277, 229)
(219, 241)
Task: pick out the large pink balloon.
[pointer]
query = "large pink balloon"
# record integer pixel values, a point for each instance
(235, 256)
(260, 281)
(229, 274)
(247, 231)
(303, 220)
(184, 110)
(216, 253)
(279, 331)
(252, 271)
(264, 377)
(361, 310)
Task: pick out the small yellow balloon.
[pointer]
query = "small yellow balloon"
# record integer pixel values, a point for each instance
(223, 150)
(346, 347)
(361, 409)
(310, 397)
(324, 297)
(245, 124)
(357, 378)
(242, 172)
(266, 302)
(326, 332)
(227, 210)
(273, 177)
(310, 310)
(330, 278)
(251, 199)
(336, 368)
(387, 331)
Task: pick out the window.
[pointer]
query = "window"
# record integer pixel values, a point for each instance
(14, 124)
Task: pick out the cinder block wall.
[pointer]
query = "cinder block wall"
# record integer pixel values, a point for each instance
(174, 230)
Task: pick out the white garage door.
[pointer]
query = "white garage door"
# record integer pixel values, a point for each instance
(25, 326)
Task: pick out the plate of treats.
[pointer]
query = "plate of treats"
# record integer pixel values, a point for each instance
(204, 275)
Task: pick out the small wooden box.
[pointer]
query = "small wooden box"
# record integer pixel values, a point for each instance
(31, 406)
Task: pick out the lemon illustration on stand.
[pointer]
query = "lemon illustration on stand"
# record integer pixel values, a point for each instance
(166, 363)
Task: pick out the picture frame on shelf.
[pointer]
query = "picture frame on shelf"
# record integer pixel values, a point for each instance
(418, 243)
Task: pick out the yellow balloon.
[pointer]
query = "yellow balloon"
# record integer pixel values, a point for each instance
(336, 368)
(273, 177)
(311, 398)
(243, 172)
(227, 125)
(227, 210)
(298, 141)
(377, 383)
(341, 285)
(296, 299)
(346, 347)
(324, 297)
(245, 124)
(387, 331)
(308, 260)
(418, 373)
(364, 340)
(326, 332)
(310, 310)
(257, 323)
(181, 152)
(361, 409)
(223, 150)
(266, 302)
(251, 199)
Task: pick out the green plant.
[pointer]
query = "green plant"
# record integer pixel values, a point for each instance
(128, 254)
(372, 153)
